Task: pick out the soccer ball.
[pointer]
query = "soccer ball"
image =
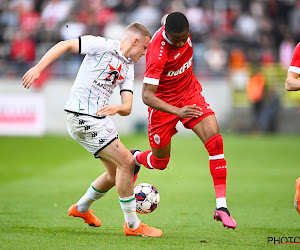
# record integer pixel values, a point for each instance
(147, 198)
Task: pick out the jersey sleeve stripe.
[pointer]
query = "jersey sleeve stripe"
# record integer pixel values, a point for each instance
(79, 51)
(294, 69)
(151, 81)
(126, 90)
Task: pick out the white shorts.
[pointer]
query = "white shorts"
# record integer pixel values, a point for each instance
(92, 133)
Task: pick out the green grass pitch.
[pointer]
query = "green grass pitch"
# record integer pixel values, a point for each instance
(41, 177)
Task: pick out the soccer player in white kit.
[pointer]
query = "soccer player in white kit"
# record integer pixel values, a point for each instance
(107, 63)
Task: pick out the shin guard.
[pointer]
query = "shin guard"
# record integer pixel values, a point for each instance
(217, 164)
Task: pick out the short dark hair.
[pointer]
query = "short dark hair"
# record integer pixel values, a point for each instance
(176, 23)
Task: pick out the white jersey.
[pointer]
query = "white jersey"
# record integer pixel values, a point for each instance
(103, 68)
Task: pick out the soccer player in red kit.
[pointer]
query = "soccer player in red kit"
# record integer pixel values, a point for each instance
(173, 94)
(292, 83)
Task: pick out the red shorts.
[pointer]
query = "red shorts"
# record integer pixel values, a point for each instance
(162, 126)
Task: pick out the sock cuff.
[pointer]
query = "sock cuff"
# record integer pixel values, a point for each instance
(94, 194)
(101, 192)
(216, 157)
(127, 199)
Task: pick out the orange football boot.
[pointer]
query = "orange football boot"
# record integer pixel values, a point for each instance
(142, 230)
(297, 196)
(88, 217)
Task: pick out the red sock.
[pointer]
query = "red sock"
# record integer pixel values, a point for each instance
(149, 161)
(217, 164)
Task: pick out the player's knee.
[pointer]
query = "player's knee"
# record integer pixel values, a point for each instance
(160, 164)
(128, 163)
(215, 145)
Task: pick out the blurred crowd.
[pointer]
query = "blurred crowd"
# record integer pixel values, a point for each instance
(226, 34)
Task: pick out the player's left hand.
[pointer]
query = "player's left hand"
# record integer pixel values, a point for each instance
(108, 110)
(189, 111)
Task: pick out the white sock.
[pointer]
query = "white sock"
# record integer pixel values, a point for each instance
(221, 202)
(128, 205)
(92, 194)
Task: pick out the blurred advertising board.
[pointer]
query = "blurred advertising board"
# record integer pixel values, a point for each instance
(22, 115)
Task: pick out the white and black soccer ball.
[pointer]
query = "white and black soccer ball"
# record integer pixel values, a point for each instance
(147, 198)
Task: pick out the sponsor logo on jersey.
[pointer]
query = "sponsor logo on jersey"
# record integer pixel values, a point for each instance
(103, 86)
(184, 67)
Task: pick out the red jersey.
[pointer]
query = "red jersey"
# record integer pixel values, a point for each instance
(170, 68)
(295, 64)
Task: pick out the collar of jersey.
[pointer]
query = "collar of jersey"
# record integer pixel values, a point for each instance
(121, 54)
(166, 38)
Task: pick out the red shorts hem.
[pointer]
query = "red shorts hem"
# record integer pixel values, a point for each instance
(192, 123)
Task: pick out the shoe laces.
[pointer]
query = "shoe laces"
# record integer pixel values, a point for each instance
(145, 228)
(90, 213)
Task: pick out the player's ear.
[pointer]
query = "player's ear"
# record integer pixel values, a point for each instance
(135, 41)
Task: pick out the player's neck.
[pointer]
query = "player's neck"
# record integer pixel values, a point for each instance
(125, 48)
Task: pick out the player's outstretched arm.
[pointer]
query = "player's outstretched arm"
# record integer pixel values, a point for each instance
(123, 109)
(153, 101)
(292, 83)
(33, 74)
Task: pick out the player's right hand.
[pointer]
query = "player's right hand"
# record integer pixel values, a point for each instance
(30, 76)
(189, 111)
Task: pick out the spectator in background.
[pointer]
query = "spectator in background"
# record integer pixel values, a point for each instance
(216, 58)
(247, 27)
(255, 92)
(265, 103)
(54, 13)
(29, 19)
(294, 20)
(238, 72)
(147, 14)
(126, 6)
(286, 49)
(201, 22)
(73, 28)
(114, 29)
(22, 51)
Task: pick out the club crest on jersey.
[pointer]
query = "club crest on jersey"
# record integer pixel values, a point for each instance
(114, 74)
(157, 139)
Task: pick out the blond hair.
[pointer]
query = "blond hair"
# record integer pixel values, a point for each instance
(138, 28)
